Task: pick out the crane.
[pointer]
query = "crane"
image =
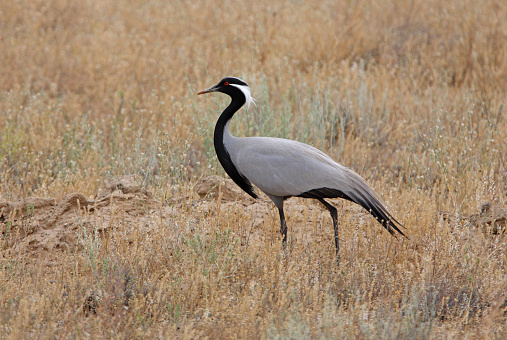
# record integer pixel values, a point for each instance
(284, 168)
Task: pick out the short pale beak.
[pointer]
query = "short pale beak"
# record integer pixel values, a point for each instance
(211, 89)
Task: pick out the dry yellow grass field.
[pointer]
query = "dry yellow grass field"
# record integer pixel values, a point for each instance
(409, 94)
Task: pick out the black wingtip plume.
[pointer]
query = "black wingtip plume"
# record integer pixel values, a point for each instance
(370, 203)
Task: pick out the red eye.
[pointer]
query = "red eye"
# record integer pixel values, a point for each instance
(226, 83)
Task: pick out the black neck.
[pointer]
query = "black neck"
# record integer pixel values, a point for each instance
(238, 100)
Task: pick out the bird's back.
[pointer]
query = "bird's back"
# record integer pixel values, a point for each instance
(283, 167)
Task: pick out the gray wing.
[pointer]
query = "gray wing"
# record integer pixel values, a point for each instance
(283, 167)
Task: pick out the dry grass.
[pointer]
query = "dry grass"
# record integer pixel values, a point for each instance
(410, 94)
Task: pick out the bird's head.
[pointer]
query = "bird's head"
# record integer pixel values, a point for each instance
(233, 87)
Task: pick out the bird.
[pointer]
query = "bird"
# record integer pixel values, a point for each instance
(283, 168)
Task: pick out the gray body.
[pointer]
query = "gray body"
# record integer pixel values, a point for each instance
(282, 167)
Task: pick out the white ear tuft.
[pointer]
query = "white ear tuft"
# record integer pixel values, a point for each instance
(248, 96)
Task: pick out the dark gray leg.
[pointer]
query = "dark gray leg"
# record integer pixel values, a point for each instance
(283, 226)
(334, 216)
(278, 201)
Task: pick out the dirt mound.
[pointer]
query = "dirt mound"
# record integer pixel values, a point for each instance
(490, 220)
(36, 224)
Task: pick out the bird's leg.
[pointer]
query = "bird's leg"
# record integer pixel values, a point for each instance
(278, 201)
(334, 216)
(283, 226)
